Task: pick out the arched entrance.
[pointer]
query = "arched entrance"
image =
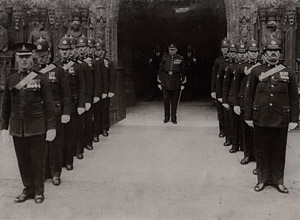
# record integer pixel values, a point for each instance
(142, 25)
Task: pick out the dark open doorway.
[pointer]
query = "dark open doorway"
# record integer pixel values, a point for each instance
(145, 24)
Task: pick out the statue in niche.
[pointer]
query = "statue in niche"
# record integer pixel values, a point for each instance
(39, 31)
(272, 30)
(75, 29)
(244, 29)
(3, 31)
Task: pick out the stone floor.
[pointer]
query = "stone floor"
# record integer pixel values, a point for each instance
(149, 170)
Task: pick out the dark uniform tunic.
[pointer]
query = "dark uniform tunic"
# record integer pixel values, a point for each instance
(272, 103)
(227, 96)
(171, 76)
(101, 87)
(219, 86)
(29, 113)
(74, 129)
(218, 62)
(109, 73)
(241, 76)
(62, 105)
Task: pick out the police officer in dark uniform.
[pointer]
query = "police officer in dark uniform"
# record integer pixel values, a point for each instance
(171, 81)
(219, 91)
(28, 111)
(239, 86)
(272, 106)
(109, 73)
(76, 81)
(228, 97)
(101, 88)
(62, 104)
(190, 69)
(217, 64)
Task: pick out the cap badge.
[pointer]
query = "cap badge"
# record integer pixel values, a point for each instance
(39, 47)
(273, 42)
(64, 42)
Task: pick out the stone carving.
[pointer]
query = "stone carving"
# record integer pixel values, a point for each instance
(244, 28)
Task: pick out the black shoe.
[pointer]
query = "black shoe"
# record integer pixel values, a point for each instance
(174, 120)
(167, 119)
(259, 187)
(89, 147)
(221, 135)
(227, 143)
(96, 139)
(281, 188)
(254, 171)
(245, 160)
(69, 167)
(105, 134)
(79, 156)
(56, 180)
(233, 150)
(23, 197)
(39, 198)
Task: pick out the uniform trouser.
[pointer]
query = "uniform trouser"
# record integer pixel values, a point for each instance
(88, 127)
(227, 123)
(247, 138)
(73, 137)
(235, 126)
(31, 155)
(97, 119)
(104, 114)
(170, 97)
(270, 154)
(221, 117)
(55, 150)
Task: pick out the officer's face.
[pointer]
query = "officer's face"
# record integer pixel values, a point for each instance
(64, 53)
(273, 54)
(24, 61)
(91, 51)
(253, 54)
(73, 52)
(224, 50)
(82, 50)
(232, 55)
(242, 56)
(42, 59)
(173, 51)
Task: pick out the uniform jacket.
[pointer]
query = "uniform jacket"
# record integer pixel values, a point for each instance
(240, 83)
(88, 78)
(110, 72)
(30, 110)
(174, 64)
(218, 62)
(60, 89)
(220, 77)
(101, 77)
(274, 101)
(76, 82)
(227, 87)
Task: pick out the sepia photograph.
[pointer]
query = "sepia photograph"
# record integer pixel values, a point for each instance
(149, 110)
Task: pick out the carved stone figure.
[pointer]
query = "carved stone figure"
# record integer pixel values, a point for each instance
(39, 31)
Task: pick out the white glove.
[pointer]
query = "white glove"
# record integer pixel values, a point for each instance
(184, 80)
(181, 87)
(158, 80)
(87, 106)
(96, 99)
(80, 111)
(50, 135)
(213, 95)
(5, 135)
(150, 60)
(194, 60)
(159, 86)
(65, 119)
(237, 110)
(292, 125)
(249, 123)
(226, 105)
(111, 94)
(104, 95)
(220, 99)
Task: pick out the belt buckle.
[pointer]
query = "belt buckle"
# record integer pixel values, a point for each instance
(171, 73)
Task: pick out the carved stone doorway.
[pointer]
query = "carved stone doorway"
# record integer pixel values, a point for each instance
(144, 24)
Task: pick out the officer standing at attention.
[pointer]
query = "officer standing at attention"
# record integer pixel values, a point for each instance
(217, 64)
(272, 107)
(171, 81)
(28, 111)
(62, 105)
(239, 86)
